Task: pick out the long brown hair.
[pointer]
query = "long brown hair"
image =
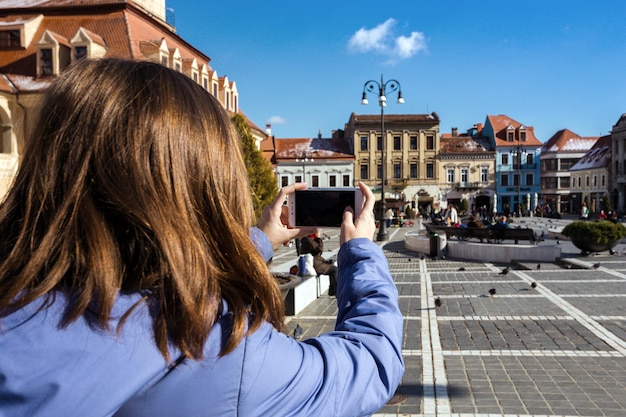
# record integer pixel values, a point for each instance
(133, 181)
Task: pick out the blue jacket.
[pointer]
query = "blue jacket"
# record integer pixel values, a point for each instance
(352, 371)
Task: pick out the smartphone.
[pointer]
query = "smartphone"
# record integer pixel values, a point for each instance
(323, 207)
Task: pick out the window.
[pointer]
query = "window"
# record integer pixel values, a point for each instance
(450, 175)
(205, 83)
(504, 158)
(346, 180)
(484, 174)
(214, 89)
(315, 180)
(603, 181)
(587, 181)
(332, 181)
(504, 180)
(177, 66)
(379, 144)
(579, 181)
(595, 181)
(510, 136)
(227, 101)
(164, 60)
(565, 182)
(298, 178)
(430, 170)
(397, 143)
(397, 170)
(195, 76)
(522, 136)
(530, 179)
(516, 180)
(364, 143)
(464, 175)
(45, 55)
(284, 181)
(10, 38)
(365, 172)
(529, 158)
(379, 171)
(413, 143)
(430, 142)
(413, 170)
(80, 52)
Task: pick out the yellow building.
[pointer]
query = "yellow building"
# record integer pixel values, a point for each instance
(590, 177)
(411, 145)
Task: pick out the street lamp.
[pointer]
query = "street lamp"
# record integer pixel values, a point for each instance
(304, 157)
(381, 89)
(518, 154)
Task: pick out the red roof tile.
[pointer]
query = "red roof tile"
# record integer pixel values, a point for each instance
(502, 123)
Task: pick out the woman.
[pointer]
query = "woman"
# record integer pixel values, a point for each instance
(130, 284)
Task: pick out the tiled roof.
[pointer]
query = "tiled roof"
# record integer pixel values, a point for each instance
(121, 29)
(599, 156)
(459, 144)
(291, 148)
(502, 123)
(396, 118)
(567, 141)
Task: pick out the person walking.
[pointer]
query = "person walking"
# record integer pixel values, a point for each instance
(134, 277)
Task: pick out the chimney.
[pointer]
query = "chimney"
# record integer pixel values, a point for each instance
(268, 129)
(455, 132)
(319, 134)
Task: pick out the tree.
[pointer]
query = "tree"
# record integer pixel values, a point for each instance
(263, 188)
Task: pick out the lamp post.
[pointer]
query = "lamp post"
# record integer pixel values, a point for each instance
(381, 89)
(304, 157)
(518, 153)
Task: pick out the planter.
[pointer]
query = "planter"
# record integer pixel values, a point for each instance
(594, 236)
(286, 282)
(587, 245)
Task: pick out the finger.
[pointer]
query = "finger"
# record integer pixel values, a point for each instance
(348, 216)
(284, 192)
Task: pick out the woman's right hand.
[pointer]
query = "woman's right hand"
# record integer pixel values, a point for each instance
(365, 224)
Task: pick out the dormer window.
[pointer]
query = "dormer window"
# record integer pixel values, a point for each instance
(510, 136)
(87, 44)
(53, 54)
(10, 38)
(46, 66)
(80, 52)
(522, 136)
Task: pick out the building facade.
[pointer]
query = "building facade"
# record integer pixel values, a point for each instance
(618, 164)
(518, 152)
(467, 171)
(590, 178)
(320, 162)
(411, 166)
(558, 156)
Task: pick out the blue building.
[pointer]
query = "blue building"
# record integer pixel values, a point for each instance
(518, 154)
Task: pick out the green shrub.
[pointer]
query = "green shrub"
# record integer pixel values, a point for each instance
(602, 231)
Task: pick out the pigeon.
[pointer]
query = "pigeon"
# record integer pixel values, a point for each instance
(504, 271)
(538, 266)
(596, 265)
(558, 242)
(611, 252)
(297, 332)
(437, 302)
(533, 285)
(461, 269)
(492, 291)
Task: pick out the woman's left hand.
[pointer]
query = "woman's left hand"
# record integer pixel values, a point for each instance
(274, 220)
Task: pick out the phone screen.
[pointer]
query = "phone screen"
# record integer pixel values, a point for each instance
(322, 207)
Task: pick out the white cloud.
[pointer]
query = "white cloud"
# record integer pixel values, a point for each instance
(382, 40)
(406, 47)
(372, 40)
(277, 120)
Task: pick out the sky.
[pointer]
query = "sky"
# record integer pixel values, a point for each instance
(301, 65)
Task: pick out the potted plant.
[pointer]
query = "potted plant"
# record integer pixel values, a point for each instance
(594, 236)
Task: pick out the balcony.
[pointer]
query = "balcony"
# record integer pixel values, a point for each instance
(468, 186)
